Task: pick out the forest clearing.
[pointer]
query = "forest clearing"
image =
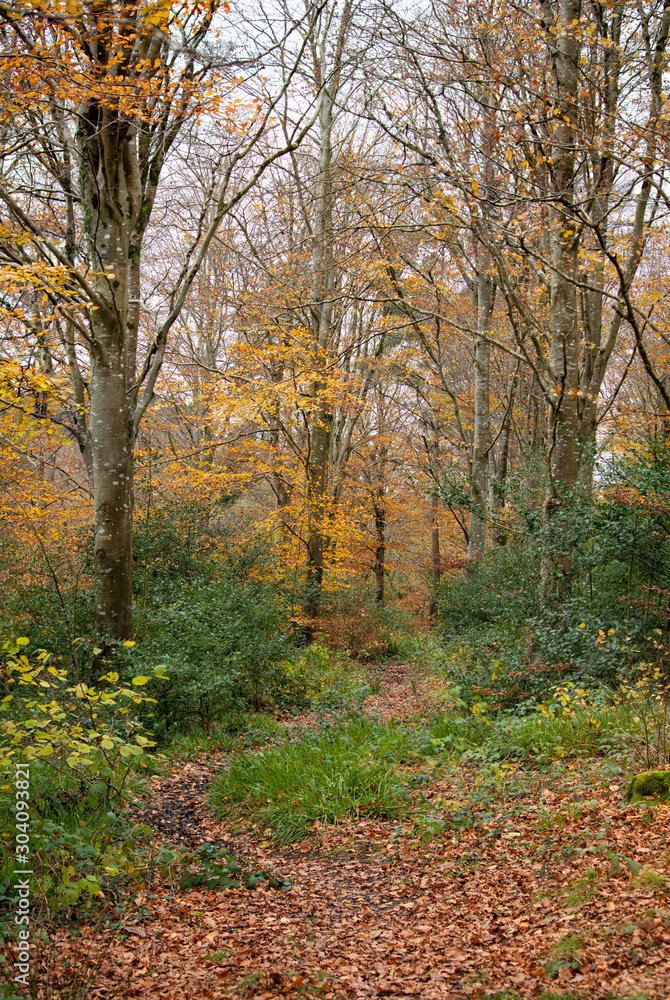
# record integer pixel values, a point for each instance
(334, 499)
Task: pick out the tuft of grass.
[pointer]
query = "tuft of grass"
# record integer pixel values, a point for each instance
(563, 954)
(346, 770)
(583, 891)
(374, 684)
(650, 879)
(238, 730)
(220, 956)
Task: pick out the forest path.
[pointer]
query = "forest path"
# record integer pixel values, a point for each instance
(374, 912)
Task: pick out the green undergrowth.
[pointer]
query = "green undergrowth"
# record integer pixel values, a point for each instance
(535, 738)
(348, 769)
(73, 755)
(235, 731)
(213, 867)
(361, 766)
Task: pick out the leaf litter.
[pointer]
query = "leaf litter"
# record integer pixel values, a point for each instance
(547, 887)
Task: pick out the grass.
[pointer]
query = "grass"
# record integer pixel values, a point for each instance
(343, 771)
(563, 955)
(650, 879)
(349, 768)
(534, 738)
(583, 891)
(238, 730)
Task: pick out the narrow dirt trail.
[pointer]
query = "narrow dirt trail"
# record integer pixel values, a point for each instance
(374, 913)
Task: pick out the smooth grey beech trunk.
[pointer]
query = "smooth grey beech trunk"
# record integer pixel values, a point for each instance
(111, 190)
(112, 439)
(322, 308)
(322, 318)
(563, 456)
(483, 295)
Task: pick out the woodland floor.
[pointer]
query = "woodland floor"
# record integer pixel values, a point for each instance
(509, 908)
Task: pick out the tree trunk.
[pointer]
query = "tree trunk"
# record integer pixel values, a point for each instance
(434, 554)
(482, 422)
(380, 551)
(435, 561)
(323, 264)
(111, 192)
(563, 457)
(317, 481)
(111, 435)
(498, 483)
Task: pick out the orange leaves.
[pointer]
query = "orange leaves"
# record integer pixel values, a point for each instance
(127, 71)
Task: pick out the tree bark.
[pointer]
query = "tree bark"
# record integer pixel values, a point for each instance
(111, 191)
(498, 482)
(479, 477)
(563, 456)
(112, 439)
(323, 263)
(380, 551)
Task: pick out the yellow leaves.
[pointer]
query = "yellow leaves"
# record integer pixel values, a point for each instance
(68, 725)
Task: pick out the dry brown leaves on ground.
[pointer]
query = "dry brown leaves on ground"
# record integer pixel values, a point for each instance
(558, 890)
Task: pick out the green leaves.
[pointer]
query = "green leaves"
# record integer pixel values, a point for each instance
(85, 743)
(79, 726)
(213, 868)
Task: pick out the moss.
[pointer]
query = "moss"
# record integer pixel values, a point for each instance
(649, 784)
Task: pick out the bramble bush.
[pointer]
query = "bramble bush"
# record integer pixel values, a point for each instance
(352, 623)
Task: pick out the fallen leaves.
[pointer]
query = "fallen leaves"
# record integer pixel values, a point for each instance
(372, 912)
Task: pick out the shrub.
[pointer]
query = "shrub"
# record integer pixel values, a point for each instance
(83, 744)
(323, 678)
(224, 642)
(507, 643)
(572, 723)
